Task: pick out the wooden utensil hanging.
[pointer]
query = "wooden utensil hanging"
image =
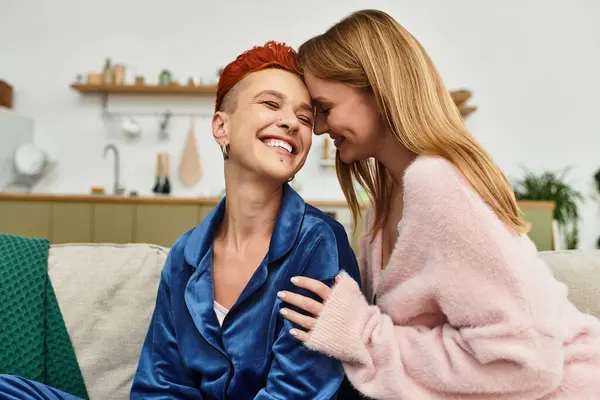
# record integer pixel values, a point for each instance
(460, 96)
(466, 110)
(166, 158)
(158, 180)
(190, 169)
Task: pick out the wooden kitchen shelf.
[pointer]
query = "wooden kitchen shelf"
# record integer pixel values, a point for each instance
(459, 96)
(145, 89)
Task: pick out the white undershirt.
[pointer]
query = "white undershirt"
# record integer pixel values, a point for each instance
(221, 312)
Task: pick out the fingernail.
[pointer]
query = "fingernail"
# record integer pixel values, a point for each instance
(295, 280)
(281, 295)
(293, 332)
(283, 311)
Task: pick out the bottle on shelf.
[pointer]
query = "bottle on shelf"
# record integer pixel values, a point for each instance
(107, 73)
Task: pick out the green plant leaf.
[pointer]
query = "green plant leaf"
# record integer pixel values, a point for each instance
(552, 186)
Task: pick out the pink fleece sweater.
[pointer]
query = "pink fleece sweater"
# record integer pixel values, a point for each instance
(465, 308)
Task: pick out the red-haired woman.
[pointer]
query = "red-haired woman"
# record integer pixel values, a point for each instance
(217, 331)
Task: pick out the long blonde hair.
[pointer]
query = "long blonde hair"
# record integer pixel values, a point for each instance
(369, 49)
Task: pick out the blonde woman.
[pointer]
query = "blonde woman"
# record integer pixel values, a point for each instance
(455, 302)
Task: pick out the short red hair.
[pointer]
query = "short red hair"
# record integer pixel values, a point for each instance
(270, 55)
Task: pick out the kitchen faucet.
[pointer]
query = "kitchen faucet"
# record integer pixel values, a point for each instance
(117, 189)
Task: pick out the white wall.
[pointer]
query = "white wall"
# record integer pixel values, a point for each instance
(16, 130)
(533, 67)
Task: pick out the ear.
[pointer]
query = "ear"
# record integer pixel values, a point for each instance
(220, 129)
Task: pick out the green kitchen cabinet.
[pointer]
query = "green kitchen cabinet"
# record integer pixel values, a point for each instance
(24, 218)
(71, 223)
(113, 223)
(203, 212)
(121, 220)
(539, 214)
(540, 219)
(162, 224)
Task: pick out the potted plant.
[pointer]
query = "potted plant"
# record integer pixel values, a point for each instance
(551, 186)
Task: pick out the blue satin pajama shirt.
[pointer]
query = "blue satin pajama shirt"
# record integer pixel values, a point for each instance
(187, 355)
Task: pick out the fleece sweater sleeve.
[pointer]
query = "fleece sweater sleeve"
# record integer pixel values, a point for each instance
(501, 339)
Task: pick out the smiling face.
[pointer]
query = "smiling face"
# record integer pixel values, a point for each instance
(350, 116)
(266, 124)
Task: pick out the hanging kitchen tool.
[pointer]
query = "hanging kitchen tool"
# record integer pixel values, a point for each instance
(163, 134)
(158, 182)
(166, 164)
(460, 96)
(131, 128)
(190, 169)
(30, 165)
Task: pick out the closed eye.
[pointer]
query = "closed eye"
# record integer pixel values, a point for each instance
(271, 104)
(321, 109)
(306, 120)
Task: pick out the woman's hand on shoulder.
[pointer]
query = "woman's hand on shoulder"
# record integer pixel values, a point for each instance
(310, 306)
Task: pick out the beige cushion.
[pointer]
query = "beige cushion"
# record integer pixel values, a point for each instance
(580, 271)
(106, 294)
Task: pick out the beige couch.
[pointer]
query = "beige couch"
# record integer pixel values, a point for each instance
(107, 293)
